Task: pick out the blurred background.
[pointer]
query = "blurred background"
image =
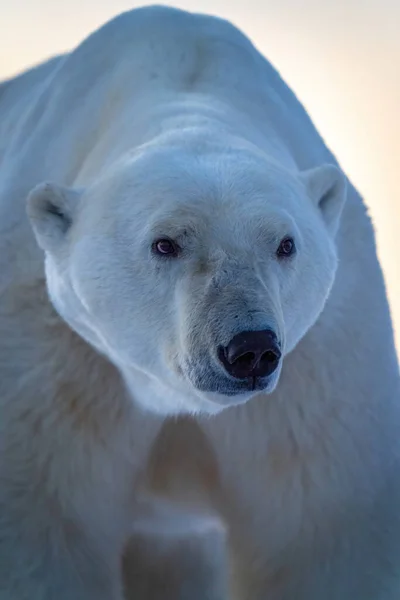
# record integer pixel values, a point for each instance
(341, 57)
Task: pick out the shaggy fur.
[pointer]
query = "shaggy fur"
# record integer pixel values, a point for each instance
(118, 422)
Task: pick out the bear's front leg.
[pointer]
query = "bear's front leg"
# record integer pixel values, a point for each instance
(351, 561)
(190, 567)
(45, 554)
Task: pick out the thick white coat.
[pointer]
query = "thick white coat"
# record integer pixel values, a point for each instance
(305, 479)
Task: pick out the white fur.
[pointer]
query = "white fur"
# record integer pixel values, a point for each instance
(163, 123)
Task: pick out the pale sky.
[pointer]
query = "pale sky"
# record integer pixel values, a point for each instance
(341, 57)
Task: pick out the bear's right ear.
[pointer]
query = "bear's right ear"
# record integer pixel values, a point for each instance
(51, 209)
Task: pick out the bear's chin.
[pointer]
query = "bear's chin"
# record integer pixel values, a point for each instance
(236, 395)
(166, 399)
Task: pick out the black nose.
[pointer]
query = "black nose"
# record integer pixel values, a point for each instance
(251, 354)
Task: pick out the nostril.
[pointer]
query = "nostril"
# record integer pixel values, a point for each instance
(271, 356)
(247, 359)
(269, 360)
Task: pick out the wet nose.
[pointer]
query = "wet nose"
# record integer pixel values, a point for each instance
(251, 354)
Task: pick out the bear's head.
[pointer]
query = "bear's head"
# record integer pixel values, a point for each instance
(194, 272)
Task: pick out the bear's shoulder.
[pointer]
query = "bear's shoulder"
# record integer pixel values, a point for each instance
(18, 94)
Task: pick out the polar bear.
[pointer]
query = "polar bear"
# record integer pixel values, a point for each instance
(194, 327)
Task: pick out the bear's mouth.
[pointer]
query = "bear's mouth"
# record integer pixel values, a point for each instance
(251, 384)
(206, 378)
(206, 381)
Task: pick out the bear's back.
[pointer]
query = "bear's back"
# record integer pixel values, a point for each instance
(16, 97)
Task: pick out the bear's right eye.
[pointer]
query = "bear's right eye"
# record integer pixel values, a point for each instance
(165, 247)
(286, 248)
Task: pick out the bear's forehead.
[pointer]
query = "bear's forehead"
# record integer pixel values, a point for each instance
(184, 173)
(224, 222)
(202, 196)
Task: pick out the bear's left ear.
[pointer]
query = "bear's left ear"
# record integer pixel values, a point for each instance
(326, 186)
(51, 209)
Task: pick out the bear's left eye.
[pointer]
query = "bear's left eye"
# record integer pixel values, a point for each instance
(165, 247)
(286, 248)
